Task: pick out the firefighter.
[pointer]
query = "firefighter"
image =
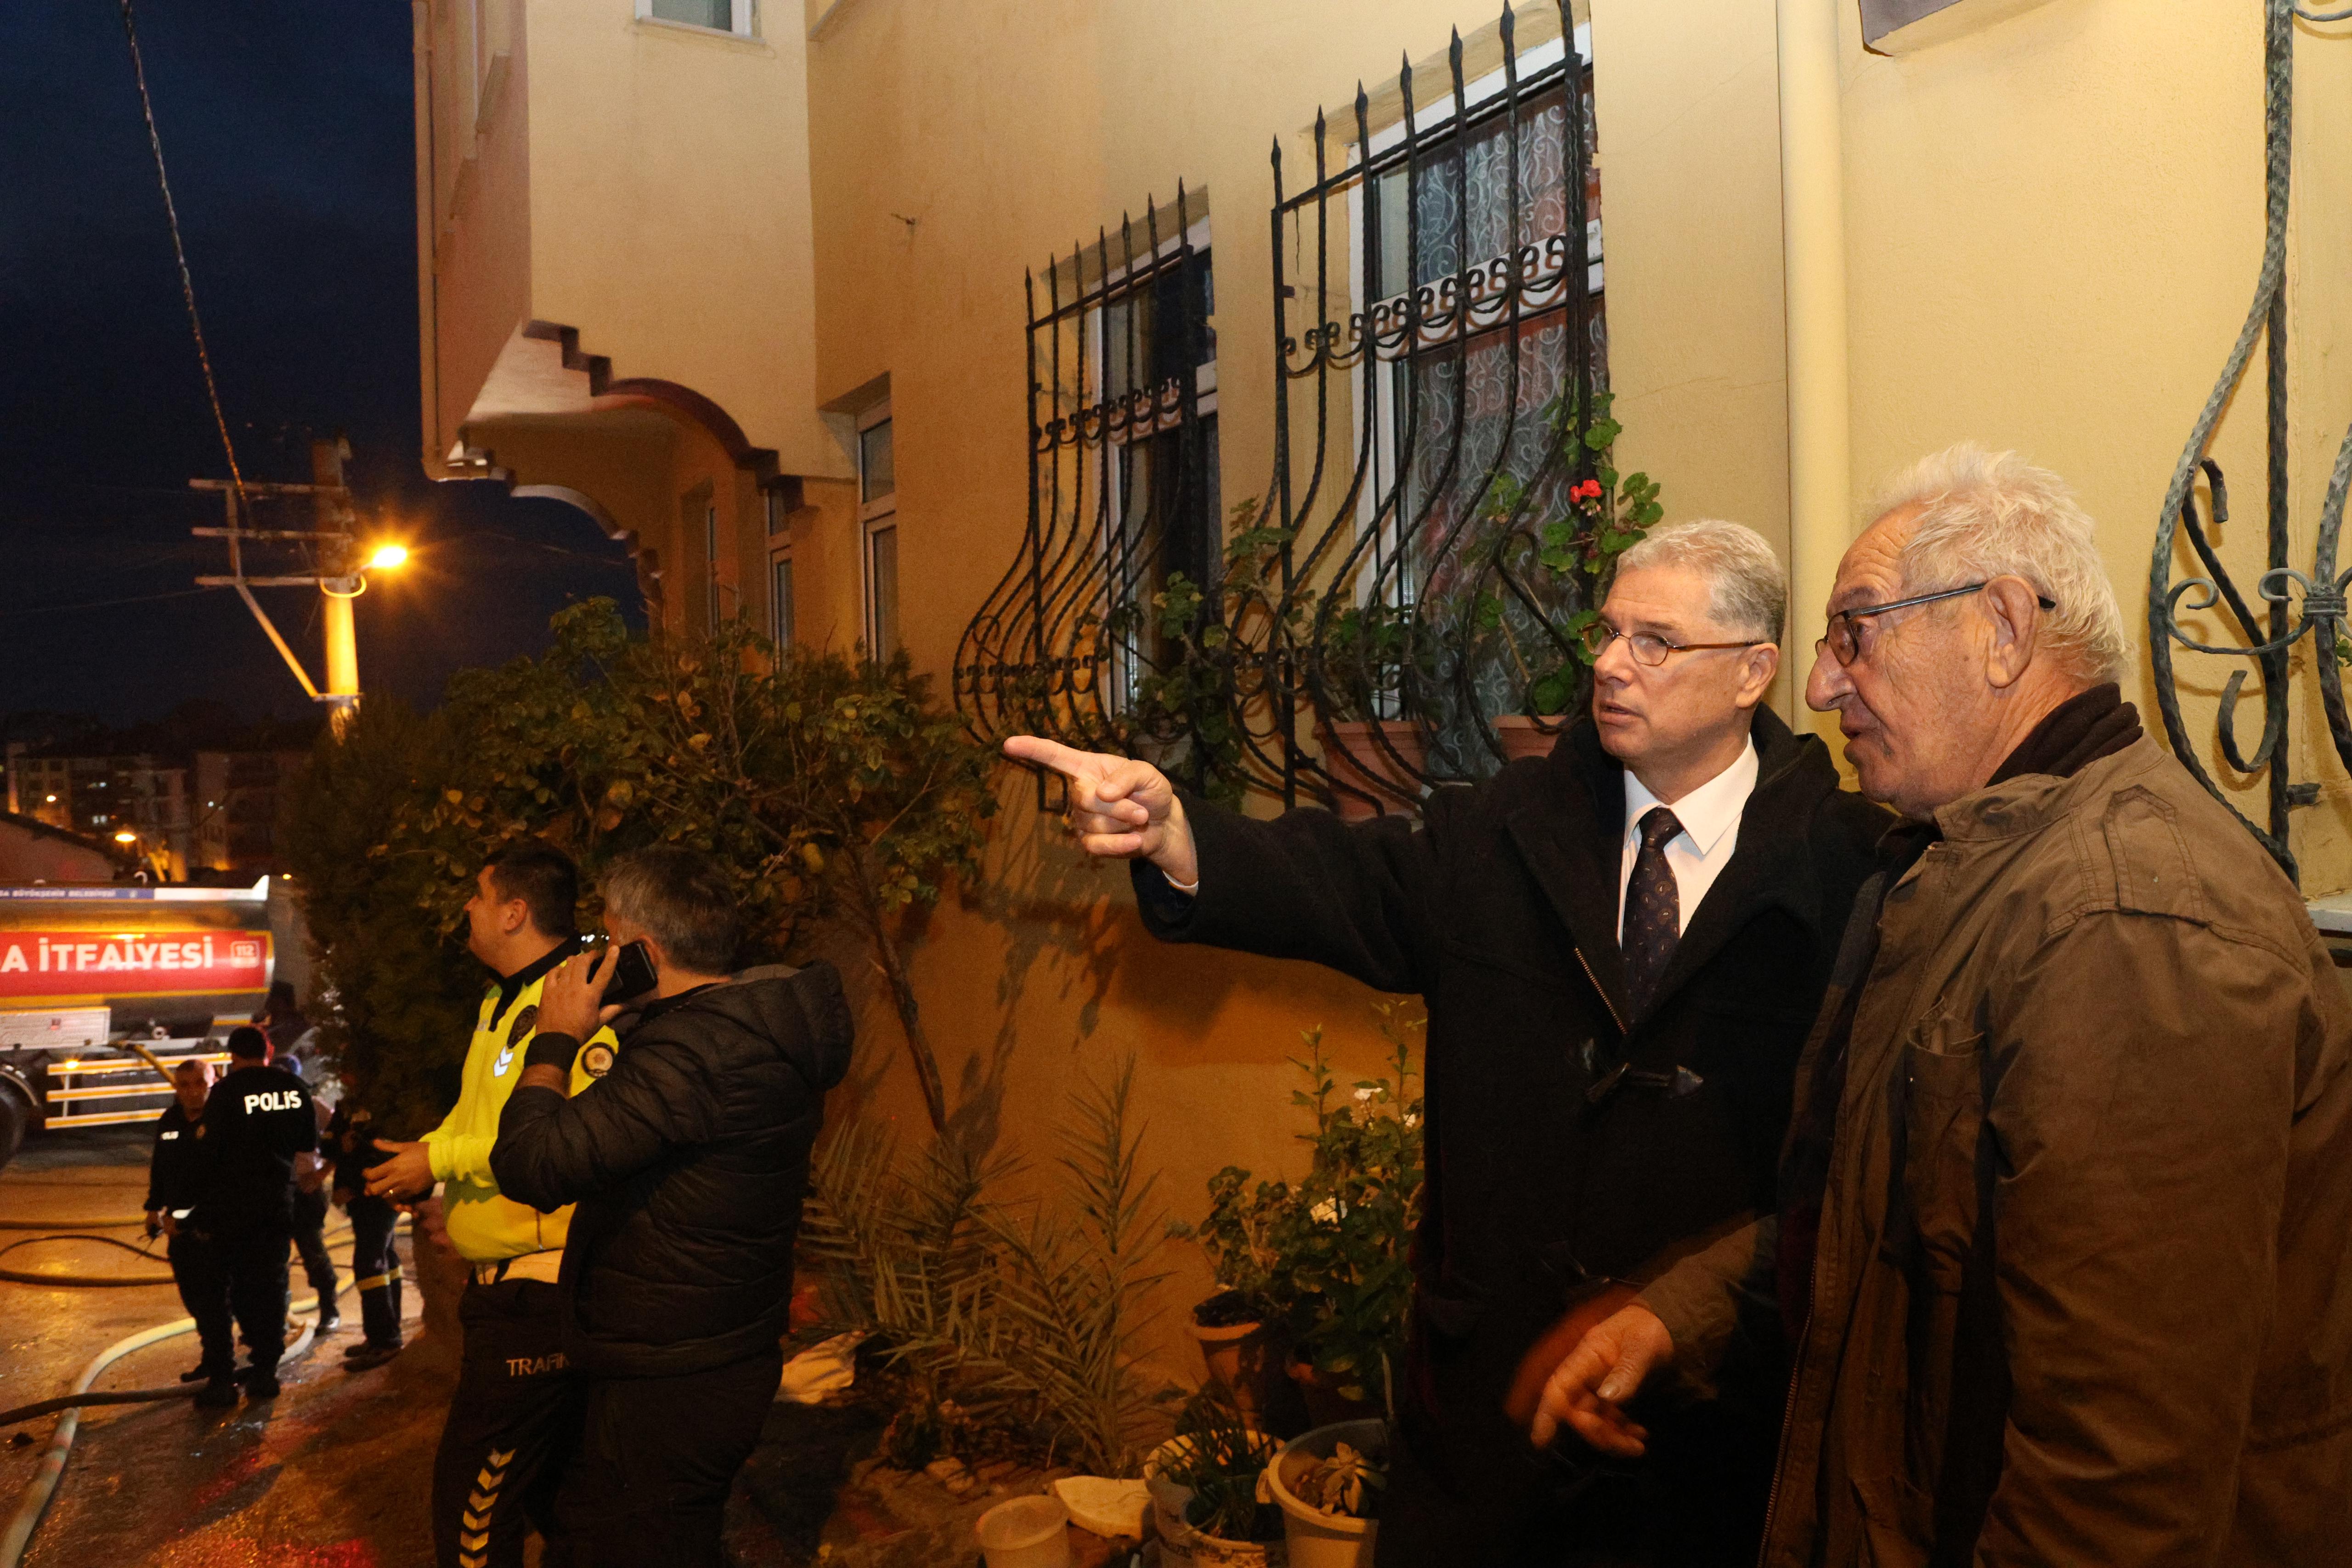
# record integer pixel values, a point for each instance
(515, 1412)
(256, 1119)
(171, 1172)
(375, 1261)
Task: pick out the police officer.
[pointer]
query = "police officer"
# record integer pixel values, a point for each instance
(375, 1262)
(515, 1412)
(256, 1119)
(171, 1172)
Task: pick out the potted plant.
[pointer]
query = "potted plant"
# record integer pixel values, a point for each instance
(1328, 1484)
(1374, 754)
(1205, 1483)
(1328, 1258)
(1541, 578)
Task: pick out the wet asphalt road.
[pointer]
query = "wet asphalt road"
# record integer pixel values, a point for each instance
(332, 1474)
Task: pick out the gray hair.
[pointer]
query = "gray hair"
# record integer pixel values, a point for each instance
(682, 899)
(1749, 590)
(1985, 514)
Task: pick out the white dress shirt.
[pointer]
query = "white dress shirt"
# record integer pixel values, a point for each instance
(1710, 819)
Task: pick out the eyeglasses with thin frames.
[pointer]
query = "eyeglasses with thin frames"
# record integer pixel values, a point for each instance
(1649, 649)
(1845, 642)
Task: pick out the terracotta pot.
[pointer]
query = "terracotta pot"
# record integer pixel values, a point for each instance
(1326, 1405)
(1358, 761)
(1240, 1356)
(1522, 735)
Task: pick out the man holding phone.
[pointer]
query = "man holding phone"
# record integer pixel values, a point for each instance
(689, 1163)
(515, 1410)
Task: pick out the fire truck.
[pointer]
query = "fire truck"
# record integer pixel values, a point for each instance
(84, 971)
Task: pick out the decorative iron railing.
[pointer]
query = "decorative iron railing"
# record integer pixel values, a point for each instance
(1122, 485)
(1402, 604)
(2270, 634)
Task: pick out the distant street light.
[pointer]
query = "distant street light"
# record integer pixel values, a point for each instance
(126, 837)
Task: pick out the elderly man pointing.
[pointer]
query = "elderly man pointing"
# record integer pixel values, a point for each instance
(2065, 1205)
(1621, 946)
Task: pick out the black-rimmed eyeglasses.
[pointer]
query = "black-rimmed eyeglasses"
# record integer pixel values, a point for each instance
(1649, 648)
(1845, 642)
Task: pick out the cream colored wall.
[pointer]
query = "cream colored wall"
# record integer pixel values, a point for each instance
(2051, 246)
(473, 212)
(670, 210)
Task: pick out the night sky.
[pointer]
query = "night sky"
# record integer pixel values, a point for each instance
(287, 131)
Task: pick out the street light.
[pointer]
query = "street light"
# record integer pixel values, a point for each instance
(126, 837)
(388, 555)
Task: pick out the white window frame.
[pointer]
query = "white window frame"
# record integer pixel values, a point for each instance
(877, 517)
(744, 17)
(1433, 118)
(781, 630)
(1095, 345)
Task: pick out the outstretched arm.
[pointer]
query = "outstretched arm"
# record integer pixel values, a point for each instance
(1357, 898)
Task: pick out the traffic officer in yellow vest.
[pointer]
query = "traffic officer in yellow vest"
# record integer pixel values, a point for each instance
(515, 1410)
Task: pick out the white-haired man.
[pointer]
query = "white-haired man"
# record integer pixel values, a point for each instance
(2065, 1205)
(1621, 946)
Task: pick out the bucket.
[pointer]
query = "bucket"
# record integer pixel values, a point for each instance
(1026, 1532)
(1315, 1538)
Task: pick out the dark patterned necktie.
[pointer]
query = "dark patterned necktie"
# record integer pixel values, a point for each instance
(1652, 910)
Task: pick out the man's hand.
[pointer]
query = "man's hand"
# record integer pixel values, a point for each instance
(571, 1002)
(407, 1174)
(1605, 1369)
(155, 1217)
(1120, 809)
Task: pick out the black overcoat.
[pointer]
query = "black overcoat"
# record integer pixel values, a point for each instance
(1569, 1143)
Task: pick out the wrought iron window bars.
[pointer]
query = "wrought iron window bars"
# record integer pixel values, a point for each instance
(2269, 639)
(1437, 526)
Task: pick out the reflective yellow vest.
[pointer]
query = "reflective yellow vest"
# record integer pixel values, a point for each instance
(485, 1225)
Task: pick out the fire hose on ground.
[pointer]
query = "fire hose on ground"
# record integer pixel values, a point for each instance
(17, 1534)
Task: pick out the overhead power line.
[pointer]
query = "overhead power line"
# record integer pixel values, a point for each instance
(179, 251)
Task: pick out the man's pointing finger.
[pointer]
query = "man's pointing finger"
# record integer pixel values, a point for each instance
(1046, 752)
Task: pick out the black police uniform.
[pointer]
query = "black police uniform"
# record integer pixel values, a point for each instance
(375, 1261)
(256, 1121)
(173, 1171)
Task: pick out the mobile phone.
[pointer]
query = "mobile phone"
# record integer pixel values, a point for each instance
(632, 974)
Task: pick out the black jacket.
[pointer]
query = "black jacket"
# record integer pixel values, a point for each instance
(689, 1161)
(256, 1121)
(174, 1166)
(1550, 1171)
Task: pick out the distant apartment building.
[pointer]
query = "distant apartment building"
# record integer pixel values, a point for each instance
(106, 796)
(238, 794)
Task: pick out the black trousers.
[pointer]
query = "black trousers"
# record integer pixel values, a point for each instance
(376, 1263)
(310, 1222)
(240, 1275)
(512, 1422)
(204, 1291)
(657, 1457)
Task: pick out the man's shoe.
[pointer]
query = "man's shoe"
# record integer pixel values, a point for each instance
(368, 1357)
(329, 1319)
(219, 1394)
(199, 1373)
(260, 1383)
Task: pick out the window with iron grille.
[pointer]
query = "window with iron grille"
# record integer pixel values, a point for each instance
(1123, 491)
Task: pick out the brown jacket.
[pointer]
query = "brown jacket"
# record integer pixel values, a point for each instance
(2082, 1293)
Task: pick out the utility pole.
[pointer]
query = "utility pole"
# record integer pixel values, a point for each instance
(338, 567)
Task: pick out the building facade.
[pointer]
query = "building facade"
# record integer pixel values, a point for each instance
(956, 327)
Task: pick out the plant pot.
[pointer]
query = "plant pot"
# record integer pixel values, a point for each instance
(1025, 1533)
(1326, 1405)
(1357, 761)
(1315, 1538)
(1242, 1357)
(1522, 735)
(1182, 1545)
